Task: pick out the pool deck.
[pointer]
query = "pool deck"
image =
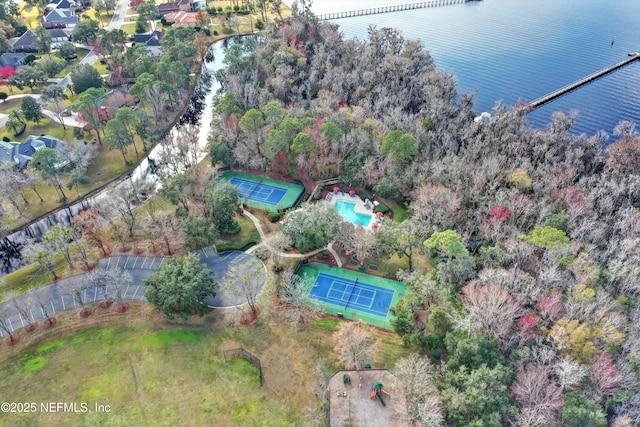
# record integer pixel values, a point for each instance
(361, 207)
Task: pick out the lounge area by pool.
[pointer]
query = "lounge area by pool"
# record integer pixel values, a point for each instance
(352, 294)
(347, 210)
(353, 209)
(261, 192)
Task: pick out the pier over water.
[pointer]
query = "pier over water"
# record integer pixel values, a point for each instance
(583, 81)
(387, 9)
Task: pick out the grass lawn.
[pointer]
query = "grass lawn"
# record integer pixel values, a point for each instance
(30, 15)
(400, 213)
(30, 277)
(129, 28)
(129, 363)
(81, 52)
(247, 234)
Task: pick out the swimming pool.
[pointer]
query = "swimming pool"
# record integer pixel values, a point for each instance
(347, 211)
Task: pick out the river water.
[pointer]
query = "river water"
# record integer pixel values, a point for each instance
(200, 114)
(519, 50)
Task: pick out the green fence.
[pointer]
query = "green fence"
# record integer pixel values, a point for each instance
(312, 270)
(294, 191)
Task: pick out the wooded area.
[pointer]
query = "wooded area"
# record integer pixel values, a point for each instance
(534, 234)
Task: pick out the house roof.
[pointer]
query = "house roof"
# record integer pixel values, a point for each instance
(12, 59)
(6, 152)
(152, 39)
(181, 18)
(61, 15)
(168, 7)
(28, 40)
(22, 153)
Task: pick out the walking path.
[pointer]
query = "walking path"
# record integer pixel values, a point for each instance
(265, 243)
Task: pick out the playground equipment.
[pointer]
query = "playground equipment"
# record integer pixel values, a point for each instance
(378, 391)
(346, 379)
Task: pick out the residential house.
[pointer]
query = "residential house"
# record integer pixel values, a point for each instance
(182, 19)
(61, 16)
(62, 4)
(151, 40)
(12, 59)
(21, 154)
(176, 6)
(115, 99)
(165, 8)
(27, 42)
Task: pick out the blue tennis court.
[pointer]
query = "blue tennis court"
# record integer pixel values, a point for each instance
(352, 294)
(263, 193)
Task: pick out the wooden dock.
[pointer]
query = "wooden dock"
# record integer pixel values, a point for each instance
(575, 85)
(387, 9)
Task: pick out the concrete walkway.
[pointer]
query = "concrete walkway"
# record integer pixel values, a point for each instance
(265, 243)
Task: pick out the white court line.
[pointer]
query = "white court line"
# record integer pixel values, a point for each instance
(126, 263)
(95, 294)
(373, 298)
(108, 262)
(10, 324)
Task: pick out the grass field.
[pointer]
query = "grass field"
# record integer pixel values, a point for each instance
(233, 242)
(129, 363)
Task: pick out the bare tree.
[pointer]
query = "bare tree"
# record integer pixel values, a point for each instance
(491, 309)
(246, 281)
(24, 309)
(45, 312)
(5, 325)
(299, 309)
(535, 391)
(78, 296)
(356, 241)
(569, 372)
(418, 376)
(122, 279)
(81, 156)
(123, 200)
(43, 256)
(277, 243)
(354, 340)
(101, 279)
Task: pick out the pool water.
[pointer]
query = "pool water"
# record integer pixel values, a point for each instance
(347, 211)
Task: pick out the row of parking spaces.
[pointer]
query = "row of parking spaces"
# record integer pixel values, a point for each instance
(37, 313)
(124, 262)
(241, 258)
(208, 252)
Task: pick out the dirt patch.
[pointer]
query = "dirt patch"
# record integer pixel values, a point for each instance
(85, 312)
(123, 308)
(351, 403)
(31, 328)
(50, 323)
(15, 341)
(250, 317)
(106, 304)
(124, 249)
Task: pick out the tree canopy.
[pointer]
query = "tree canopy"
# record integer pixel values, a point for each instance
(180, 285)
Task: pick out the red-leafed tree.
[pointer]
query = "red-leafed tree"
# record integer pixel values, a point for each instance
(90, 223)
(5, 74)
(604, 374)
(491, 308)
(550, 307)
(499, 213)
(539, 398)
(528, 326)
